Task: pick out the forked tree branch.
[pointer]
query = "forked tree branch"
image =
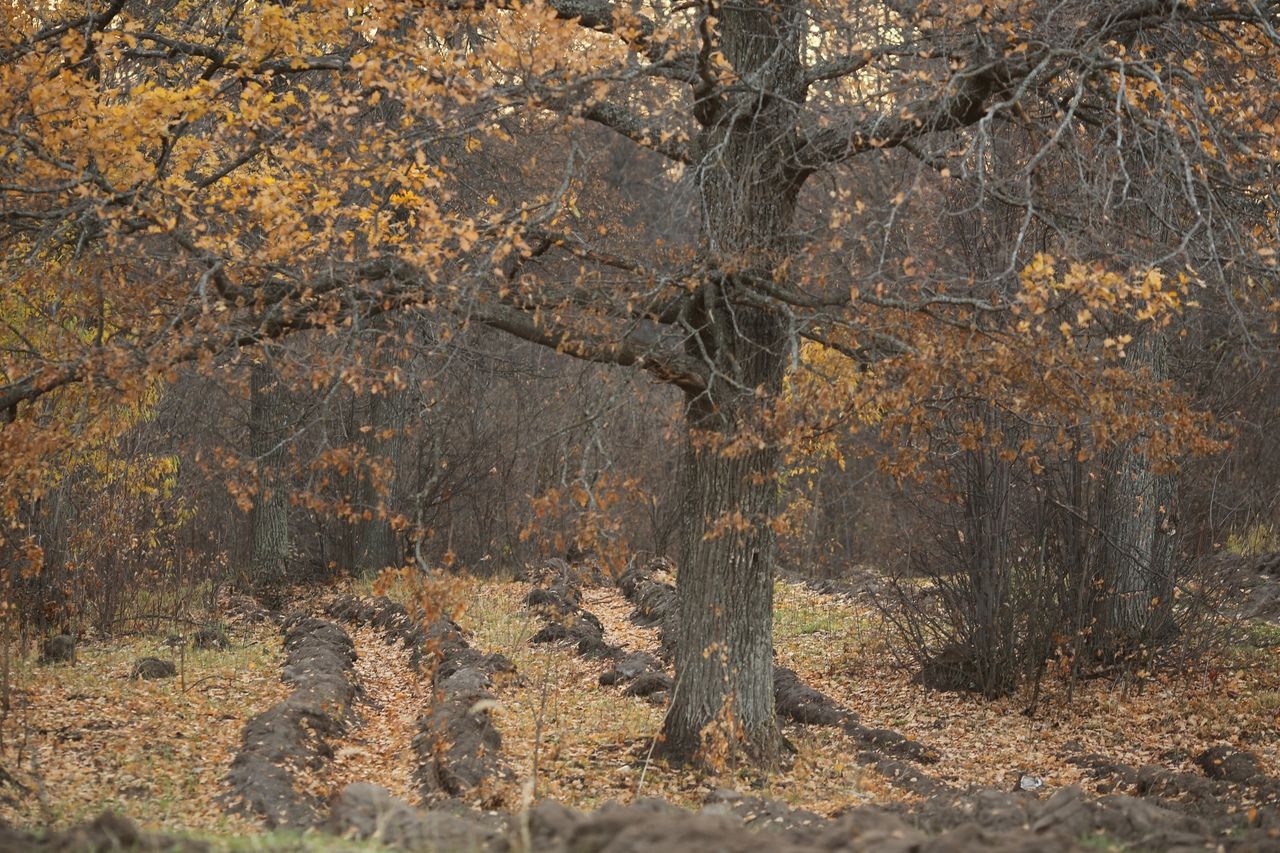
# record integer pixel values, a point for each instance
(974, 90)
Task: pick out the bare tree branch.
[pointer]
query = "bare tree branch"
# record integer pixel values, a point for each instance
(628, 124)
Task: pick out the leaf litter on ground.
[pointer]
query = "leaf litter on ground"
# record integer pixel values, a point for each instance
(159, 754)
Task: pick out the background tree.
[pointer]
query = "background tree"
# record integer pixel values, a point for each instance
(270, 550)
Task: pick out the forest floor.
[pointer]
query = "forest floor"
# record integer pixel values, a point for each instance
(83, 738)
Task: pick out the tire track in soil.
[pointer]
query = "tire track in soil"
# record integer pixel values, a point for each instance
(377, 747)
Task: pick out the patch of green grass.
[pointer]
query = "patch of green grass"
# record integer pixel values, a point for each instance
(797, 624)
(500, 624)
(1255, 539)
(1257, 647)
(1102, 841)
(1262, 635)
(800, 612)
(1264, 702)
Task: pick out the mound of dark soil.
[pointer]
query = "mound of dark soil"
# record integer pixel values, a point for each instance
(469, 658)
(728, 823)
(1067, 814)
(457, 745)
(153, 668)
(295, 733)
(1232, 796)
(365, 812)
(557, 599)
(800, 703)
(889, 742)
(1229, 764)
(391, 618)
(211, 637)
(246, 609)
(59, 649)
(761, 813)
(1254, 583)
(559, 604)
(858, 583)
(629, 668)
(797, 701)
(107, 832)
(654, 601)
(649, 683)
(441, 643)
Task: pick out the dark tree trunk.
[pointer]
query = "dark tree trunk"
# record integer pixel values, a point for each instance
(269, 541)
(984, 553)
(1138, 534)
(723, 695)
(724, 652)
(378, 544)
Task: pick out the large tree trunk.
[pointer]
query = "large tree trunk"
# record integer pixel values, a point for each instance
(723, 697)
(269, 541)
(724, 651)
(1138, 534)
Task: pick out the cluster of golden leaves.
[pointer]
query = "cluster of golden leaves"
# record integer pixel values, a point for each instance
(196, 168)
(1074, 389)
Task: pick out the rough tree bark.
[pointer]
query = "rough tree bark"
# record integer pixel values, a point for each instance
(1138, 534)
(269, 540)
(724, 653)
(724, 659)
(377, 544)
